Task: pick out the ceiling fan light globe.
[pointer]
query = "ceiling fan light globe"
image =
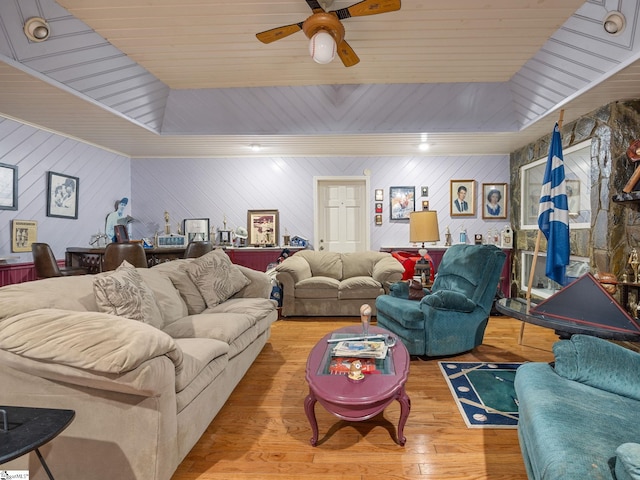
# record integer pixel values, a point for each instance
(322, 47)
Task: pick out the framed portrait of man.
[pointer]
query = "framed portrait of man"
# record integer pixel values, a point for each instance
(462, 195)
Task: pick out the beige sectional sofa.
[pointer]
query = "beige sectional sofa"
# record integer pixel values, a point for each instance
(334, 284)
(145, 380)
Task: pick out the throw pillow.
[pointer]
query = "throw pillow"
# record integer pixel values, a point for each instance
(216, 277)
(122, 292)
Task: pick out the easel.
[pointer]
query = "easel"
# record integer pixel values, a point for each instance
(536, 251)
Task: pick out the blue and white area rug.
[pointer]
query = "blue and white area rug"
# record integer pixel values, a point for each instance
(483, 392)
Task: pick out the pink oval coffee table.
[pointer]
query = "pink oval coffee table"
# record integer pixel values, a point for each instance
(360, 401)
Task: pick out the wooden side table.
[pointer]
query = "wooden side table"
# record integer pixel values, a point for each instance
(24, 429)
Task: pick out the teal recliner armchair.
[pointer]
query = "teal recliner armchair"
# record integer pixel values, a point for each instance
(452, 317)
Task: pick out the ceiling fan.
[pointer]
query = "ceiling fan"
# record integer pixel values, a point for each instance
(325, 29)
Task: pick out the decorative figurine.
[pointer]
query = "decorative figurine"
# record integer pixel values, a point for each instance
(634, 261)
(167, 225)
(365, 317)
(447, 238)
(355, 370)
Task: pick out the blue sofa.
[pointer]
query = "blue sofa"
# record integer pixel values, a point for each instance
(579, 418)
(451, 318)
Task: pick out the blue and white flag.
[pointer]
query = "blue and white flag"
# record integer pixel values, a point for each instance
(553, 212)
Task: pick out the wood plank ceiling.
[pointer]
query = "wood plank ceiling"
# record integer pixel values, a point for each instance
(166, 78)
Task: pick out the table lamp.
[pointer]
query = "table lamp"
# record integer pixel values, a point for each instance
(423, 227)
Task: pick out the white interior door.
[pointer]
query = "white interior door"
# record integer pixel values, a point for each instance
(342, 214)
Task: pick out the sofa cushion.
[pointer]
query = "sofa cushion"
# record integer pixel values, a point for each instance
(168, 299)
(317, 287)
(588, 360)
(122, 292)
(628, 462)
(86, 340)
(360, 264)
(197, 353)
(359, 287)
(216, 277)
(176, 270)
(323, 264)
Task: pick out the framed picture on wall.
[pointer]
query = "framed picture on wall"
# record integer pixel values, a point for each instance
(378, 219)
(62, 195)
(378, 207)
(8, 187)
(402, 200)
(196, 229)
(494, 196)
(263, 227)
(379, 195)
(425, 204)
(462, 194)
(23, 234)
(424, 191)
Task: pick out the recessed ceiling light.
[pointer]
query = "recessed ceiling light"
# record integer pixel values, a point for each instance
(37, 29)
(424, 146)
(614, 23)
(255, 147)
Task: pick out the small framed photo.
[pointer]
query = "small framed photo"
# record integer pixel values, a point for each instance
(378, 219)
(573, 197)
(462, 194)
(425, 204)
(9, 187)
(402, 201)
(424, 191)
(494, 196)
(23, 234)
(196, 229)
(62, 195)
(378, 207)
(379, 195)
(263, 227)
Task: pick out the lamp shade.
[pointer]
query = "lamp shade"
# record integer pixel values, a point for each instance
(423, 226)
(322, 47)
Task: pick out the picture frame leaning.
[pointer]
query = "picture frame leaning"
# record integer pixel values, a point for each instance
(62, 195)
(8, 187)
(196, 229)
(263, 228)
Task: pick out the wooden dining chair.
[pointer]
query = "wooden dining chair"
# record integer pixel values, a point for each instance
(46, 265)
(197, 249)
(132, 252)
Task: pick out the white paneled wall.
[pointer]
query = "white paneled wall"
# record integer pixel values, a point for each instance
(218, 188)
(103, 178)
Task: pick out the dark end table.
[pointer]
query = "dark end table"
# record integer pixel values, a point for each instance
(23, 429)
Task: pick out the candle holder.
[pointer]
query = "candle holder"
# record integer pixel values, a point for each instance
(634, 261)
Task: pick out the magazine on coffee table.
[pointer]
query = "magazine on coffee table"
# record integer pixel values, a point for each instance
(360, 349)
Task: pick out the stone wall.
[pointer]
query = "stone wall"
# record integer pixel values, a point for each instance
(615, 227)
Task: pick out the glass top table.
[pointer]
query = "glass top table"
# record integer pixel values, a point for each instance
(565, 327)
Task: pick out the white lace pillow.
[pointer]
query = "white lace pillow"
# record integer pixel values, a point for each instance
(216, 277)
(122, 292)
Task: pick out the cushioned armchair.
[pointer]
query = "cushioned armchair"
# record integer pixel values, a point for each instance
(452, 316)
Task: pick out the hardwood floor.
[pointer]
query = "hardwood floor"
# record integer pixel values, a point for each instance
(262, 431)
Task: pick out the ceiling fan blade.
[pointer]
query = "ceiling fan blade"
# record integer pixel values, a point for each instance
(347, 55)
(368, 7)
(315, 6)
(274, 34)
